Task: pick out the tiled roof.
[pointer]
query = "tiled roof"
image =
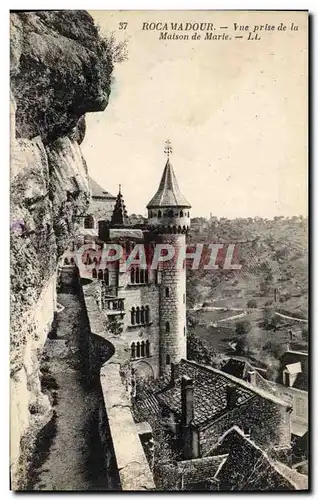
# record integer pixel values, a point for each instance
(210, 392)
(248, 467)
(98, 191)
(168, 194)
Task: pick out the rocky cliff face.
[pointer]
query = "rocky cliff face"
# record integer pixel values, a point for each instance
(60, 69)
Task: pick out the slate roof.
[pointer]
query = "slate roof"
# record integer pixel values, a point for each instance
(99, 192)
(291, 358)
(168, 194)
(210, 389)
(210, 392)
(247, 467)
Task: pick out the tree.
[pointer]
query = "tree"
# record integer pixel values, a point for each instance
(114, 326)
(242, 327)
(252, 304)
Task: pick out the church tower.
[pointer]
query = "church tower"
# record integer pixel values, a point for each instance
(169, 219)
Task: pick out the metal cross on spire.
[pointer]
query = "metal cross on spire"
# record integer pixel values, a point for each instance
(168, 148)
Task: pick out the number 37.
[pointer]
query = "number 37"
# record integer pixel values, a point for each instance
(122, 26)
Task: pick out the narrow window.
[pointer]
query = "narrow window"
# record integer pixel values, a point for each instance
(66, 261)
(146, 276)
(132, 275)
(137, 315)
(184, 330)
(106, 276)
(94, 273)
(142, 314)
(167, 327)
(147, 314)
(147, 349)
(159, 214)
(167, 291)
(168, 359)
(170, 213)
(150, 214)
(181, 213)
(142, 275)
(72, 260)
(142, 349)
(138, 350)
(184, 298)
(89, 222)
(100, 274)
(133, 315)
(137, 275)
(133, 350)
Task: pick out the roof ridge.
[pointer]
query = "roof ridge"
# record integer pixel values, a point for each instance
(261, 392)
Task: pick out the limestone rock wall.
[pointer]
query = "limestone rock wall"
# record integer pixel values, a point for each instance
(60, 69)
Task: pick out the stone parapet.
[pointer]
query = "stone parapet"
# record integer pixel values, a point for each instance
(133, 468)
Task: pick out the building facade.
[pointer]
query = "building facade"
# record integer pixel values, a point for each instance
(145, 304)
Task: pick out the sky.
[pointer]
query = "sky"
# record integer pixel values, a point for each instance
(235, 112)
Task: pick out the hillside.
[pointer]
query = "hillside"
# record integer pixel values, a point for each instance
(273, 255)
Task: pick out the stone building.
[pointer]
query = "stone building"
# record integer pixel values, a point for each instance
(147, 305)
(101, 205)
(201, 403)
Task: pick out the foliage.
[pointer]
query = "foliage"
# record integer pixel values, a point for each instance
(252, 304)
(242, 327)
(198, 350)
(114, 325)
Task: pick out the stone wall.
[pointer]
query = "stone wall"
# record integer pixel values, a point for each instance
(101, 209)
(124, 454)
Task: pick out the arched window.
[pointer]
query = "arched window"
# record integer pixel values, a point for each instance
(66, 261)
(167, 327)
(142, 314)
(106, 276)
(147, 314)
(133, 350)
(167, 291)
(133, 315)
(159, 214)
(137, 315)
(72, 261)
(132, 275)
(168, 359)
(94, 273)
(170, 213)
(181, 213)
(147, 349)
(142, 275)
(138, 350)
(95, 260)
(137, 275)
(89, 222)
(142, 349)
(100, 274)
(146, 276)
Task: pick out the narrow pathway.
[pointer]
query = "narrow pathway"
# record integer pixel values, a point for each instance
(71, 457)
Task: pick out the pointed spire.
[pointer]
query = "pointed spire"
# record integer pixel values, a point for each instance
(120, 216)
(168, 193)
